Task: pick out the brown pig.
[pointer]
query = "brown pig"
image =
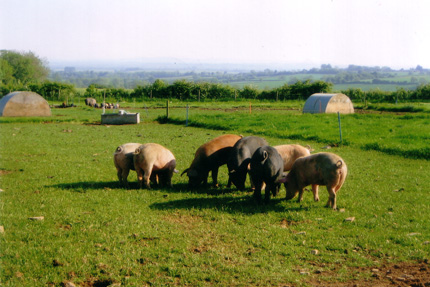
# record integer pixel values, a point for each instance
(123, 160)
(318, 169)
(291, 152)
(151, 160)
(209, 157)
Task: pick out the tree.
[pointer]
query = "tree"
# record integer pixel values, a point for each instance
(181, 89)
(249, 92)
(6, 72)
(24, 67)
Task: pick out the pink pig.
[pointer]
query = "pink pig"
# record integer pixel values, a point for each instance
(318, 169)
(152, 160)
(291, 152)
(123, 160)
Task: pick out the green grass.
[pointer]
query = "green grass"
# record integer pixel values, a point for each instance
(96, 233)
(401, 134)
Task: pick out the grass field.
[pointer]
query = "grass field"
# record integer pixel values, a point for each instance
(95, 233)
(273, 82)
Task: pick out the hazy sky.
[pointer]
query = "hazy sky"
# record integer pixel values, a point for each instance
(393, 33)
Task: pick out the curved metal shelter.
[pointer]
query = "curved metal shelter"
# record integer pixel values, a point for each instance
(24, 104)
(328, 103)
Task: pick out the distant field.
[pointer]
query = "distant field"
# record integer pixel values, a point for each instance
(267, 83)
(370, 86)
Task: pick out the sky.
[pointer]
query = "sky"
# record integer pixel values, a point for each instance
(393, 33)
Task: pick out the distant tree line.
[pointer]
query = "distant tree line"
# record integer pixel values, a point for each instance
(421, 93)
(131, 78)
(26, 72)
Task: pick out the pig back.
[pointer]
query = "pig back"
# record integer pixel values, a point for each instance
(243, 150)
(154, 154)
(214, 153)
(267, 164)
(320, 168)
(290, 153)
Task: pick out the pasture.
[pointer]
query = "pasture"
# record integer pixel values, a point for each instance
(95, 233)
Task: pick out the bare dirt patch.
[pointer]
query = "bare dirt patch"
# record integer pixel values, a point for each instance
(183, 220)
(399, 274)
(4, 172)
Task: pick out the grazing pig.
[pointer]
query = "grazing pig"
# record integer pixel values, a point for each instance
(291, 152)
(209, 157)
(266, 167)
(123, 160)
(151, 160)
(240, 157)
(90, 102)
(318, 169)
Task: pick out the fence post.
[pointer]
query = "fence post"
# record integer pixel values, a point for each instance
(167, 109)
(104, 101)
(340, 128)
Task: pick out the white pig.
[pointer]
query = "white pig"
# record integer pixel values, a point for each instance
(152, 160)
(123, 160)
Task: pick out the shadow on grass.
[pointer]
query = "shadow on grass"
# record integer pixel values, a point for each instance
(85, 186)
(231, 204)
(223, 199)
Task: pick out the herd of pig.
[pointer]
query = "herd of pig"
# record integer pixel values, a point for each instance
(267, 166)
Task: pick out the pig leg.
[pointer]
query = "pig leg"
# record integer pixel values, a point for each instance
(257, 190)
(275, 190)
(147, 178)
(229, 182)
(301, 191)
(270, 188)
(162, 178)
(124, 176)
(153, 178)
(253, 184)
(315, 192)
(139, 172)
(119, 174)
(165, 177)
(147, 175)
(169, 175)
(215, 177)
(331, 197)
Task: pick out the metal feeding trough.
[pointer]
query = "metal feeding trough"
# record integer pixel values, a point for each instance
(121, 118)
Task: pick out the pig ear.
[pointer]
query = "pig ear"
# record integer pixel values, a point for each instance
(137, 151)
(265, 155)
